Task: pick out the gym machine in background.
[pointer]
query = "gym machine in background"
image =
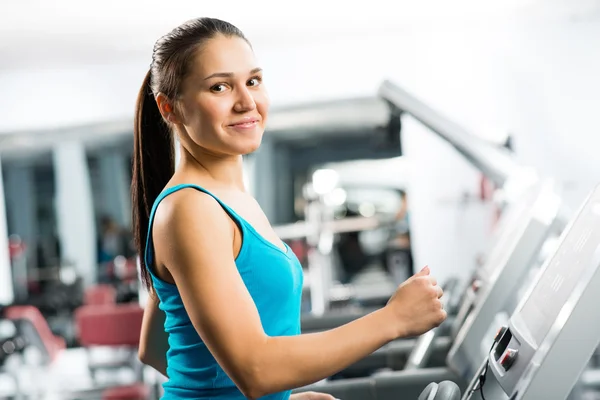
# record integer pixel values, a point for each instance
(527, 228)
(527, 225)
(320, 227)
(540, 353)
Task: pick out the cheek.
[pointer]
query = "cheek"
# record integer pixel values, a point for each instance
(213, 113)
(262, 104)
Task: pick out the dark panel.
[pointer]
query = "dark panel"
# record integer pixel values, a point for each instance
(340, 149)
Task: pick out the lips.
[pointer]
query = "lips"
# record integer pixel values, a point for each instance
(245, 123)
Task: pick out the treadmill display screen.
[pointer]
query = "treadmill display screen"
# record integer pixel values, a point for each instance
(563, 272)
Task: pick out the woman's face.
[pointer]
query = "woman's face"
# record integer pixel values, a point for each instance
(223, 103)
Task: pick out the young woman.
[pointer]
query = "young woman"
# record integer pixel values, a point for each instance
(223, 320)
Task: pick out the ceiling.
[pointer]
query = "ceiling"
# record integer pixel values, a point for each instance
(59, 33)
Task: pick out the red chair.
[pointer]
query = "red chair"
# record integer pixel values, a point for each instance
(111, 325)
(100, 294)
(35, 329)
(130, 392)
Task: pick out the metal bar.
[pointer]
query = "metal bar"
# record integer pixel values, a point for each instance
(302, 229)
(495, 163)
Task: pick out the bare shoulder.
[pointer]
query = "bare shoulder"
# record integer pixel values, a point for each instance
(190, 219)
(181, 208)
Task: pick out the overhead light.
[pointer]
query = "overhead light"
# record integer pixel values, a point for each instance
(337, 197)
(325, 180)
(366, 210)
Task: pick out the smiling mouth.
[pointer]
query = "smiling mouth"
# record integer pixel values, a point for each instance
(247, 124)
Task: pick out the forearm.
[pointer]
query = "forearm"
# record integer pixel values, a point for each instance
(295, 361)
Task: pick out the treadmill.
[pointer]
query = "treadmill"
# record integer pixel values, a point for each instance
(543, 351)
(524, 227)
(496, 164)
(527, 227)
(536, 219)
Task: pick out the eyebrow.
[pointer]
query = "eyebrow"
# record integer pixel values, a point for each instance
(230, 74)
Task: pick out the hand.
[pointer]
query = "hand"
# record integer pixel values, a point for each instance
(415, 306)
(312, 396)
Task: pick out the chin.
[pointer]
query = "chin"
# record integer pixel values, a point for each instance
(250, 145)
(245, 147)
(251, 148)
(245, 143)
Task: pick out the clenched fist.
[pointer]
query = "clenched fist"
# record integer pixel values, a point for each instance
(415, 307)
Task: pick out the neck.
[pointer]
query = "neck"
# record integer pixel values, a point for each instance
(225, 171)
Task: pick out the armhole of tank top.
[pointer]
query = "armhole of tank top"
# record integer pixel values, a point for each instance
(149, 253)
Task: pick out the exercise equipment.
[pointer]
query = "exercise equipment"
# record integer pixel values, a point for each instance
(549, 339)
(532, 215)
(494, 162)
(528, 224)
(443, 391)
(525, 228)
(11, 341)
(493, 292)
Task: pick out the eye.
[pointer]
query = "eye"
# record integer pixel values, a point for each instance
(255, 81)
(220, 87)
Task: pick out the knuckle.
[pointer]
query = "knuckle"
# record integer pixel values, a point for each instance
(443, 316)
(432, 292)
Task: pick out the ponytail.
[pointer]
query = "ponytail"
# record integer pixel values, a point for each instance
(153, 167)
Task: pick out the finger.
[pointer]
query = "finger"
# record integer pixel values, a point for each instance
(440, 291)
(424, 271)
(444, 315)
(432, 280)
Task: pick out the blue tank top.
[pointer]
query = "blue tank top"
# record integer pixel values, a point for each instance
(273, 278)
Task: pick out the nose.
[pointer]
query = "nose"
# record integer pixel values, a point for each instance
(244, 101)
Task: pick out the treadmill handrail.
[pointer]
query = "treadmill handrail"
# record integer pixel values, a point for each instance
(495, 163)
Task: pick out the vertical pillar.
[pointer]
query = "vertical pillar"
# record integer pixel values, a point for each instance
(115, 184)
(20, 197)
(6, 281)
(284, 186)
(21, 200)
(75, 210)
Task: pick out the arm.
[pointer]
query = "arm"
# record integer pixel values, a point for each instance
(193, 238)
(153, 338)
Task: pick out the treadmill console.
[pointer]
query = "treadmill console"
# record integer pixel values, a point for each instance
(551, 337)
(528, 226)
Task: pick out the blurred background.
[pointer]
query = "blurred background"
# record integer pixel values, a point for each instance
(370, 166)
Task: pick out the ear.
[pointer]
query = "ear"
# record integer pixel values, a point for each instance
(167, 109)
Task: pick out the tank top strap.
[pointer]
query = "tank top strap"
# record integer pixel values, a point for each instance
(148, 253)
